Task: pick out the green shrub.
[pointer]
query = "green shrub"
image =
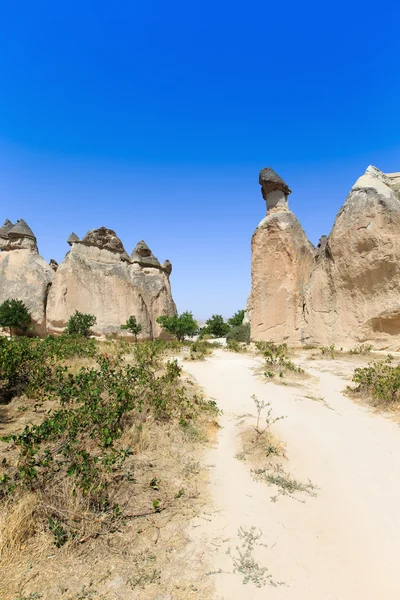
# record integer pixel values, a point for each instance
(235, 346)
(331, 350)
(361, 349)
(14, 315)
(237, 319)
(199, 349)
(180, 326)
(276, 358)
(216, 326)
(80, 324)
(240, 333)
(132, 326)
(380, 381)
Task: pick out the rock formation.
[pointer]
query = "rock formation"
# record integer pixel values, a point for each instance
(98, 277)
(282, 260)
(24, 275)
(353, 291)
(343, 292)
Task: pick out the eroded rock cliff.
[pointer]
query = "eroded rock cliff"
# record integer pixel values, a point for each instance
(343, 292)
(98, 277)
(24, 275)
(282, 259)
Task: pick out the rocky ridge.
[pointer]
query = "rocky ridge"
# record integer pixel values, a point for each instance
(344, 291)
(97, 276)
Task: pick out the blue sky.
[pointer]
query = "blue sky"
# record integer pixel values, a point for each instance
(154, 119)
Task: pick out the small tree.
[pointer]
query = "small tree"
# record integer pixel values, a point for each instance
(237, 319)
(179, 326)
(80, 324)
(216, 326)
(132, 326)
(13, 313)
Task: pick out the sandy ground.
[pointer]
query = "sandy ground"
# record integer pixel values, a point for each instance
(342, 544)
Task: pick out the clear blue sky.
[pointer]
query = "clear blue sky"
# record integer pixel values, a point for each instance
(154, 119)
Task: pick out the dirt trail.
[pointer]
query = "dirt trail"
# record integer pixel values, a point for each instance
(340, 545)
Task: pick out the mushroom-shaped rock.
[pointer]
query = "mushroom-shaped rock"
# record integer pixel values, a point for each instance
(21, 229)
(105, 239)
(167, 266)
(142, 249)
(144, 256)
(53, 264)
(4, 237)
(21, 237)
(72, 238)
(5, 228)
(274, 190)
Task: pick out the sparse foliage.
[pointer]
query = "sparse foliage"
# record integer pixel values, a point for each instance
(276, 358)
(14, 315)
(270, 420)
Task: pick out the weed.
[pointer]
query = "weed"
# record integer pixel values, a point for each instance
(245, 562)
(331, 350)
(260, 406)
(361, 349)
(286, 484)
(276, 359)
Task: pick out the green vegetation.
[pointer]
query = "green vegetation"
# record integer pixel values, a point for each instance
(132, 326)
(216, 326)
(80, 452)
(361, 349)
(80, 324)
(14, 315)
(180, 326)
(201, 348)
(237, 319)
(239, 333)
(276, 359)
(380, 382)
(331, 350)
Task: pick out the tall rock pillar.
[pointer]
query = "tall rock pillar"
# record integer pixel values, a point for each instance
(282, 260)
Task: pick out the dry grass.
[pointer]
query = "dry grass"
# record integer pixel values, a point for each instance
(144, 554)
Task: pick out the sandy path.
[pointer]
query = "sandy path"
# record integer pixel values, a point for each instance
(342, 544)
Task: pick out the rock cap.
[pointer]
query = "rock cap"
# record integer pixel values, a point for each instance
(103, 238)
(271, 181)
(5, 228)
(21, 229)
(72, 238)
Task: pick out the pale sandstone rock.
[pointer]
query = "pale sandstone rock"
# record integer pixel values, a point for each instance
(96, 277)
(24, 275)
(353, 293)
(282, 259)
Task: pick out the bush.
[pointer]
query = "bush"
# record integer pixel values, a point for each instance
(380, 381)
(14, 315)
(240, 333)
(237, 319)
(276, 358)
(199, 349)
(235, 346)
(180, 326)
(132, 326)
(80, 324)
(216, 326)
